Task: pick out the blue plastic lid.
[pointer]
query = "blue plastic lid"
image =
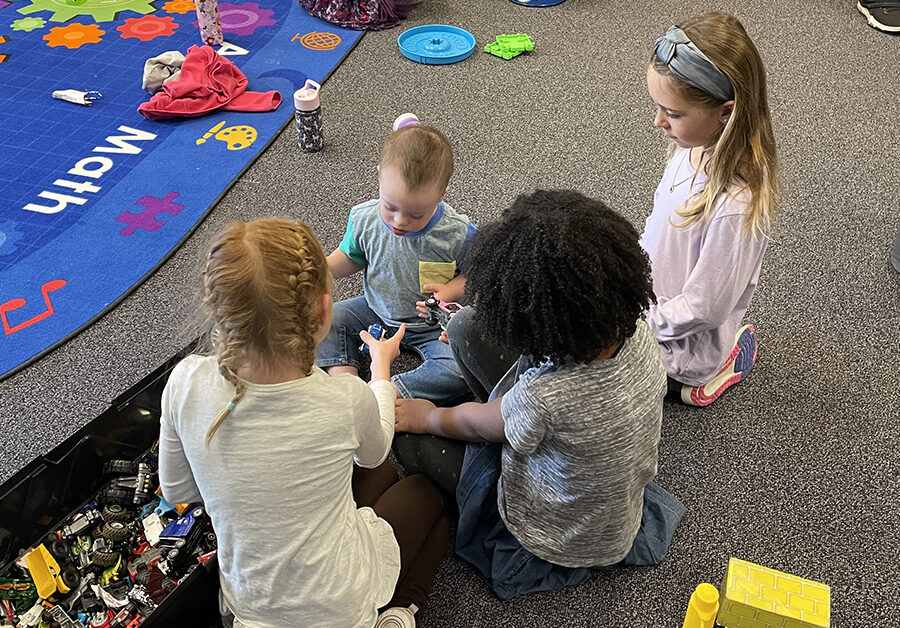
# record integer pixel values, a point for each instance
(537, 3)
(436, 44)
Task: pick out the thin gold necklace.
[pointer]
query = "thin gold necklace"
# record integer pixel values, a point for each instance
(678, 169)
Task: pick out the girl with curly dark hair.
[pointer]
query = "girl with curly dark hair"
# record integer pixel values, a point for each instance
(557, 478)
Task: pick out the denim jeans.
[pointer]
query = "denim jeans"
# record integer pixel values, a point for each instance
(510, 570)
(438, 379)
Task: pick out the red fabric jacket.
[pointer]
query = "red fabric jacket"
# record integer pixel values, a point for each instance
(208, 82)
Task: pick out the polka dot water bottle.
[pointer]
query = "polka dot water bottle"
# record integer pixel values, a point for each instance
(308, 117)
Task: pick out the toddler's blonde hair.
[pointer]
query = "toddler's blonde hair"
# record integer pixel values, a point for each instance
(744, 153)
(263, 281)
(421, 154)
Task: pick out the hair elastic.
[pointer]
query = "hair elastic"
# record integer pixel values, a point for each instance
(229, 406)
(690, 65)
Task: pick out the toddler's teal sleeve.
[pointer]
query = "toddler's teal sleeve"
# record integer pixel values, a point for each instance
(348, 245)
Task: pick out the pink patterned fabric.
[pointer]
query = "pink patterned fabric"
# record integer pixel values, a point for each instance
(359, 14)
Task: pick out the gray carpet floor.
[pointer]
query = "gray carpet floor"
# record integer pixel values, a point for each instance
(795, 469)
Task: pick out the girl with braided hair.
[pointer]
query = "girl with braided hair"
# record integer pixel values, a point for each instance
(268, 442)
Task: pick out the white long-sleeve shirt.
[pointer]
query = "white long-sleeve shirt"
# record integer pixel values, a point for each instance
(704, 275)
(276, 480)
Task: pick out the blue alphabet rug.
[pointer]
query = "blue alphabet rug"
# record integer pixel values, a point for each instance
(94, 198)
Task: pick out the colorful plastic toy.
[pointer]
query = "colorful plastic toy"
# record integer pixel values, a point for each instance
(436, 44)
(759, 597)
(377, 331)
(509, 46)
(47, 575)
(702, 608)
(538, 3)
(440, 312)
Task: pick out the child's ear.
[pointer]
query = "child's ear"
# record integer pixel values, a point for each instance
(727, 109)
(326, 304)
(446, 189)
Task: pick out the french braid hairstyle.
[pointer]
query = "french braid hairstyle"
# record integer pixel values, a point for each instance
(559, 276)
(744, 152)
(262, 284)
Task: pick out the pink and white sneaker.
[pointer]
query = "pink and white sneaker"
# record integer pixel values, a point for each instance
(737, 367)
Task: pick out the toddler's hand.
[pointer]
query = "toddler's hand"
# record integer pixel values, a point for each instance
(439, 290)
(410, 415)
(421, 309)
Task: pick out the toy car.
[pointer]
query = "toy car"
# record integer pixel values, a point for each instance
(440, 312)
(184, 538)
(378, 332)
(81, 524)
(129, 491)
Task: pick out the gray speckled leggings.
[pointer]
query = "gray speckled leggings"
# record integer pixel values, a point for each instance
(483, 364)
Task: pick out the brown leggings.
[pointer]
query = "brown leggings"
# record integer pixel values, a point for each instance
(415, 510)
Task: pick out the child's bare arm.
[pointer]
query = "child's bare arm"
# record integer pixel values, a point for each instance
(475, 422)
(341, 265)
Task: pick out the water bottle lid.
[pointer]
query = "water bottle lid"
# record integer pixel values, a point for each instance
(307, 97)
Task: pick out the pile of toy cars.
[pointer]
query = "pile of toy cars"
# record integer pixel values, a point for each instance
(113, 561)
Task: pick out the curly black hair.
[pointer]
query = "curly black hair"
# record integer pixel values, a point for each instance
(560, 275)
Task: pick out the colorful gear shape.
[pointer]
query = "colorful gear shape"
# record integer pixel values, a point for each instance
(9, 237)
(243, 19)
(320, 41)
(28, 23)
(100, 10)
(147, 27)
(74, 35)
(179, 6)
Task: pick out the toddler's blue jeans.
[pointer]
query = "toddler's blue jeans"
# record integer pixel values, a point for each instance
(438, 379)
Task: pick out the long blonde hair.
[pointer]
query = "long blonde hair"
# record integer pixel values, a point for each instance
(744, 153)
(262, 284)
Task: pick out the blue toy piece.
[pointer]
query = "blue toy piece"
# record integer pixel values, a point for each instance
(537, 3)
(436, 44)
(377, 332)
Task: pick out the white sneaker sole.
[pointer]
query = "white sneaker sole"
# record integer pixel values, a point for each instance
(875, 23)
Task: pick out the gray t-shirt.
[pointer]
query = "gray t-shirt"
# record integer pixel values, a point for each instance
(397, 267)
(582, 446)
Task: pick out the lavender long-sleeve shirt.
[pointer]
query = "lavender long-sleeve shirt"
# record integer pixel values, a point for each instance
(704, 275)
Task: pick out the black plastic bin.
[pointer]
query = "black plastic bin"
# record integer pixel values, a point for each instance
(48, 489)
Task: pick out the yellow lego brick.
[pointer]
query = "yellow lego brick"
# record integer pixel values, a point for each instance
(787, 611)
(758, 594)
(789, 584)
(747, 587)
(728, 620)
(774, 595)
(816, 591)
(743, 610)
(739, 569)
(755, 623)
(802, 603)
(762, 575)
(823, 612)
(761, 604)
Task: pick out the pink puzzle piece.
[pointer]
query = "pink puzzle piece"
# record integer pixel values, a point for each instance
(146, 219)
